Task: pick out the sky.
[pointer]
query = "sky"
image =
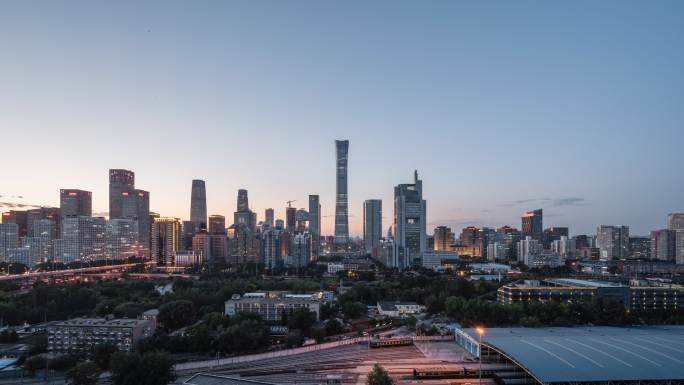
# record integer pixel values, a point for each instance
(574, 107)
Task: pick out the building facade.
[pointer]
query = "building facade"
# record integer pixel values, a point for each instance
(410, 238)
(372, 225)
(341, 198)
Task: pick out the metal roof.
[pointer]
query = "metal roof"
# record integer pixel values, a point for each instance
(589, 354)
(215, 379)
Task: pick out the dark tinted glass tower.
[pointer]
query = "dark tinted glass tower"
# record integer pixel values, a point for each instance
(532, 224)
(75, 203)
(341, 200)
(119, 181)
(198, 204)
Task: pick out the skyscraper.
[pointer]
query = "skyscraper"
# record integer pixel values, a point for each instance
(532, 224)
(341, 200)
(119, 181)
(612, 241)
(663, 245)
(269, 217)
(372, 225)
(83, 239)
(217, 224)
(165, 240)
(675, 221)
(198, 204)
(315, 225)
(410, 239)
(244, 216)
(290, 219)
(136, 206)
(75, 203)
(444, 238)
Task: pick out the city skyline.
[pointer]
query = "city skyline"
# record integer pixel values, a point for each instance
(501, 109)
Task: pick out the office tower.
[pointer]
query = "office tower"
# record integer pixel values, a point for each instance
(217, 224)
(290, 219)
(188, 231)
(663, 245)
(510, 237)
(270, 248)
(39, 240)
(50, 213)
(301, 220)
(341, 200)
(279, 224)
(639, 247)
(470, 236)
(165, 240)
(121, 239)
(218, 246)
(315, 225)
(244, 216)
(83, 239)
(679, 246)
(675, 221)
(201, 245)
(119, 181)
(198, 204)
(372, 225)
(243, 245)
(75, 203)
(285, 243)
(301, 249)
(20, 217)
(553, 234)
(528, 248)
(532, 224)
(409, 223)
(561, 246)
(9, 238)
(269, 218)
(612, 241)
(444, 238)
(487, 235)
(135, 205)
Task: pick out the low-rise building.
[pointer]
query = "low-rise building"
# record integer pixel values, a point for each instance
(271, 309)
(399, 309)
(79, 335)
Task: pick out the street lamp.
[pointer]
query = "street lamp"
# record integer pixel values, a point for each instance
(480, 331)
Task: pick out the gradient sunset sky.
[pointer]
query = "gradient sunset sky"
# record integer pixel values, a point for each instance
(502, 106)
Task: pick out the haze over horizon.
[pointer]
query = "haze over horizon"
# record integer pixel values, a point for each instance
(501, 109)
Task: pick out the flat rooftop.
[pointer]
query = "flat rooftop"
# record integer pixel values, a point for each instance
(591, 354)
(101, 322)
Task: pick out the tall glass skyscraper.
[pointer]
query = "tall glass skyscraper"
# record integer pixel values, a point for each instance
(119, 181)
(198, 204)
(341, 200)
(410, 240)
(315, 225)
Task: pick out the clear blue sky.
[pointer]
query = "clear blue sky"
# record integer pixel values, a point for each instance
(502, 106)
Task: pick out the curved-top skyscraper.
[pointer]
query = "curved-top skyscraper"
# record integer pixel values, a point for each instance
(341, 201)
(198, 204)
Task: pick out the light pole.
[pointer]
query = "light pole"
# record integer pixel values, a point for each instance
(480, 333)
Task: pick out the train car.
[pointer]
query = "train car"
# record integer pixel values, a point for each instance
(390, 342)
(441, 373)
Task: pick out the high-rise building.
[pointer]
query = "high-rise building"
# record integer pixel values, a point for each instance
(121, 239)
(675, 221)
(198, 204)
(372, 225)
(244, 216)
(553, 234)
(444, 238)
(188, 231)
(83, 239)
(301, 249)
(279, 224)
(612, 241)
(410, 238)
(20, 217)
(217, 224)
(315, 225)
(50, 213)
(270, 248)
(9, 238)
(341, 199)
(290, 219)
(119, 181)
(532, 224)
(663, 245)
(165, 240)
(528, 248)
(639, 247)
(269, 217)
(136, 206)
(75, 203)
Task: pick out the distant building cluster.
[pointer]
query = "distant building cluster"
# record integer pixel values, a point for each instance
(72, 232)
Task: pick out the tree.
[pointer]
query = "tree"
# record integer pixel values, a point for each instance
(102, 353)
(353, 310)
(333, 327)
(379, 376)
(34, 363)
(302, 319)
(85, 373)
(154, 368)
(176, 314)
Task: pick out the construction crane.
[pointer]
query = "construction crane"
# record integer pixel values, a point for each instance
(289, 203)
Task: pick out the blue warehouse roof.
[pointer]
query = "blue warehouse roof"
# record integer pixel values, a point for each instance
(589, 354)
